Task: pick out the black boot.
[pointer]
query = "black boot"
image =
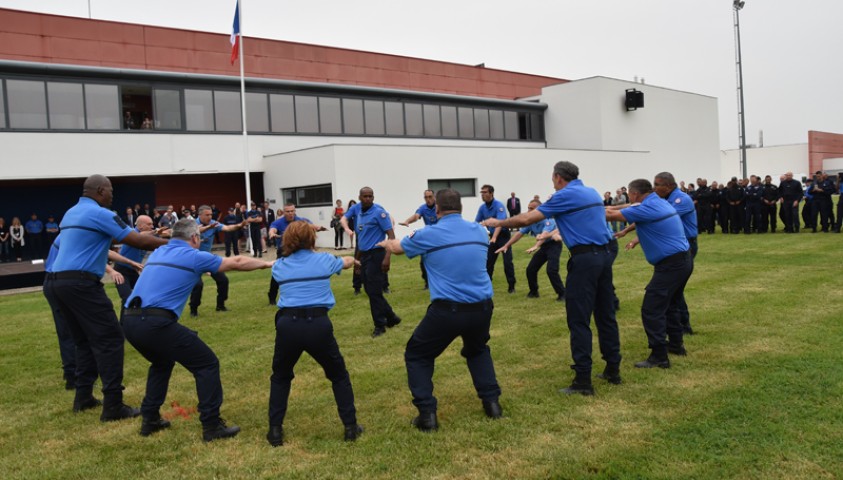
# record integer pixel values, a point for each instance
(150, 426)
(426, 422)
(218, 430)
(352, 432)
(275, 436)
(492, 408)
(581, 385)
(612, 373)
(119, 411)
(658, 358)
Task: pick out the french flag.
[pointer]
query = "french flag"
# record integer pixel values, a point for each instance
(235, 34)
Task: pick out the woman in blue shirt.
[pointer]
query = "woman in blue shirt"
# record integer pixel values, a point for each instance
(302, 325)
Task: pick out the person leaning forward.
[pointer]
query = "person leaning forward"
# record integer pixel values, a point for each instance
(454, 253)
(302, 325)
(150, 321)
(579, 214)
(87, 232)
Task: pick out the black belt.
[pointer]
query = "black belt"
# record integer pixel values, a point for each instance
(588, 249)
(463, 307)
(73, 275)
(150, 312)
(370, 251)
(304, 312)
(673, 258)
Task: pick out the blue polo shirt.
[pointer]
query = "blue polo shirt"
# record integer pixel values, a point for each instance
(170, 275)
(494, 209)
(454, 253)
(87, 231)
(304, 279)
(579, 213)
(370, 226)
(684, 206)
(34, 226)
(546, 225)
(428, 214)
(207, 237)
(281, 225)
(51, 255)
(132, 253)
(51, 226)
(659, 228)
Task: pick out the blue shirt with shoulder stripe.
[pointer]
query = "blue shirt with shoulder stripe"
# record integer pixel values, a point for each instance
(281, 225)
(207, 237)
(684, 206)
(546, 225)
(428, 214)
(493, 209)
(304, 279)
(51, 255)
(370, 226)
(659, 228)
(454, 253)
(170, 275)
(87, 231)
(132, 253)
(579, 214)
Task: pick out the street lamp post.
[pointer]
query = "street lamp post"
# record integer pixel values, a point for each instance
(737, 5)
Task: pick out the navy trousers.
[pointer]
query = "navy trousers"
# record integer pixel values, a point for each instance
(548, 253)
(222, 291)
(684, 314)
(298, 332)
(97, 334)
(492, 257)
(440, 326)
(590, 291)
(130, 275)
(374, 282)
(163, 341)
(660, 309)
(67, 348)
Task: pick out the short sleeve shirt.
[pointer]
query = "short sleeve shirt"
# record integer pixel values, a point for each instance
(370, 226)
(87, 233)
(304, 279)
(579, 214)
(494, 209)
(428, 214)
(659, 228)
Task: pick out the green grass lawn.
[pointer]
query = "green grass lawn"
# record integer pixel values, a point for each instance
(758, 396)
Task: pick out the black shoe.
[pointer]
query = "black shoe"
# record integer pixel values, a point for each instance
(687, 330)
(378, 331)
(275, 436)
(69, 382)
(386, 290)
(194, 313)
(492, 408)
(219, 430)
(87, 404)
(580, 387)
(148, 427)
(427, 287)
(511, 290)
(560, 298)
(393, 322)
(532, 294)
(611, 374)
(221, 308)
(352, 432)
(677, 350)
(426, 422)
(356, 291)
(652, 362)
(118, 412)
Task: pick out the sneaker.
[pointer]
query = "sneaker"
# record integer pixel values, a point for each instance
(118, 412)
(148, 427)
(352, 432)
(219, 430)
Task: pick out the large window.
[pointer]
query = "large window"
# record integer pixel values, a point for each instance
(449, 121)
(413, 119)
(257, 114)
(481, 123)
(466, 186)
(102, 107)
(307, 114)
(2, 107)
(432, 124)
(310, 196)
(329, 115)
(352, 116)
(373, 113)
(67, 110)
(227, 113)
(167, 109)
(283, 113)
(466, 121)
(27, 104)
(199, 110)
(394, 118)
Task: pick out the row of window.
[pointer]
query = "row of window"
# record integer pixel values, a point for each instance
(28, 104)
(321, 195)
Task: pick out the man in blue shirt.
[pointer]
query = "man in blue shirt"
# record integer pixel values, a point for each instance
(255, 216)
(492, 208)
(276, 233)
(35, 237)
(208, 228)
(662, 237)
(461, 305)
(427, 212)
(130, 271)
(52, 229)
(547, 249)
(580, 218)
(373, 223)
(230, 238)
(87, 232)
(150, 320)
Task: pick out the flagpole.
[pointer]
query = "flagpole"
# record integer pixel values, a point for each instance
(243, 114)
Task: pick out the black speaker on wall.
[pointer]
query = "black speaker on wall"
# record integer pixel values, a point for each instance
(634, 99)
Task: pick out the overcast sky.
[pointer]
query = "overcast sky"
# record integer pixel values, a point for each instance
(793, 73)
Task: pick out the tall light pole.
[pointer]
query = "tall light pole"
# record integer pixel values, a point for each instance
(737, 5)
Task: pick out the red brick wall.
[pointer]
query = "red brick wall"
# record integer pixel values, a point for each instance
(44, 38)
(822, 145)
